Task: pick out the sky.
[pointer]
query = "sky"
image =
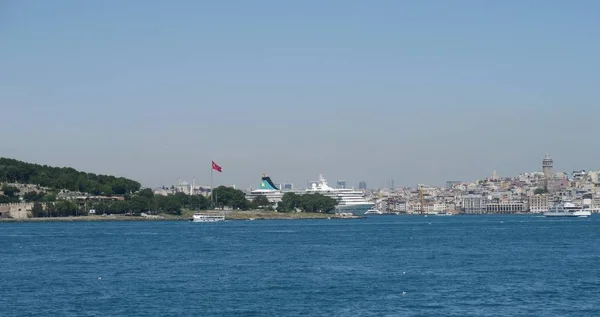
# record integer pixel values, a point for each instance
(415, 91)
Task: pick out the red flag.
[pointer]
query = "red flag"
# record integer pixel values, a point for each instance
(216, 167)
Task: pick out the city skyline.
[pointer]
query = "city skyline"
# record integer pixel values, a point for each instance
(391, 183)
(417, 92)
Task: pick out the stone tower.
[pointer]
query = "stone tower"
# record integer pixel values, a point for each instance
(547, 165)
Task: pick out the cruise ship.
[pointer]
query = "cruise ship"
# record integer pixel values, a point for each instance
(567, 209)
(349, 200)
(268, 189)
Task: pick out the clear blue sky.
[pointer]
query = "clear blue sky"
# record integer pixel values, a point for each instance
(417, 91)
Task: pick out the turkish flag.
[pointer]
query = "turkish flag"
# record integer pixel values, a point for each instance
(216, 167)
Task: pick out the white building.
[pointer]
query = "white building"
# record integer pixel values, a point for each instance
(473, 204)
(505, 207)
(538, 203)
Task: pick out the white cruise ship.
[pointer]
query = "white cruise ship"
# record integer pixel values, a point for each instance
(268, 189)
(567, 209)
(349, 200)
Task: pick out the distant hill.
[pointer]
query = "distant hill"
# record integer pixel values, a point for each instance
(12, 170)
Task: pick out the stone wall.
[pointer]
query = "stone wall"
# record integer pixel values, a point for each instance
(16, 211)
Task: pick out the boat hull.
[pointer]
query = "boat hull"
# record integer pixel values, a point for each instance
(357, 209)
(207, 218)
(579, 213)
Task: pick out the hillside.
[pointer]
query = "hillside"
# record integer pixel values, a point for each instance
(12, 170)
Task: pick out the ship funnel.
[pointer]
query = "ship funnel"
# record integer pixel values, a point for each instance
(267, 183)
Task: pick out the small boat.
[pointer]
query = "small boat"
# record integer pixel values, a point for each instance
(373, 212)
(207, 217)
(567, 209)
(444, 214)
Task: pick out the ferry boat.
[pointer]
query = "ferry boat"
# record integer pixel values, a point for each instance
(207, 217)
(567, 209)
(446, 213)
(349, 200)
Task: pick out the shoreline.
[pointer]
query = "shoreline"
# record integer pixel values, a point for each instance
(242, 215)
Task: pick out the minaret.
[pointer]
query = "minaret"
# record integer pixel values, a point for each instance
(547, 165)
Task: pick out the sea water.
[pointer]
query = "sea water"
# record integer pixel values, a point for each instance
(379, 266)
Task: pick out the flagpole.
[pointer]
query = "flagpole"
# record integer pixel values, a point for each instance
(212, 189)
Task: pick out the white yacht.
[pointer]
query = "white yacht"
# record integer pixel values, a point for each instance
(349, 200)
(207, 217)
(268, 189)
(373, 212)
(567, 209)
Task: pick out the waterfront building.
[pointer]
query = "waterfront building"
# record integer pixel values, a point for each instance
(595, 204)
(473, 204)
(505, 207)
(341, 184)
(362, 185)
(538, 203)
(440, 207)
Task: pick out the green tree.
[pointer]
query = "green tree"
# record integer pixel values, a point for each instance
(12, 170)
(37, 210)
(33, 196)
(173, 205)
(49, 197)
(539, 191)
(307, 203)
(261, 202)
(146, 192)
(198, 202)
(10, 191)
(289, 202)
(62, 208)
(139, 204)
(231, 197)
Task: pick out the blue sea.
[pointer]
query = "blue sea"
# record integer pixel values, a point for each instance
(379, 266)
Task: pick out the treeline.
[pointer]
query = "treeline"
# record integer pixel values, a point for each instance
(61, 208)
(145, 201)
(306, 203)
(291, 202)
(14, 171)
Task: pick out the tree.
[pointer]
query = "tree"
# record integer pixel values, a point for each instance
(139, 204)
(10, 191)
(173, 205)
(198, 202)
(289, 202)
(62, 208)
(261, 202)
(146, 192)
(307, 203)
(33, 196)
(539, 191)
(37, 210)
(231, 197)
